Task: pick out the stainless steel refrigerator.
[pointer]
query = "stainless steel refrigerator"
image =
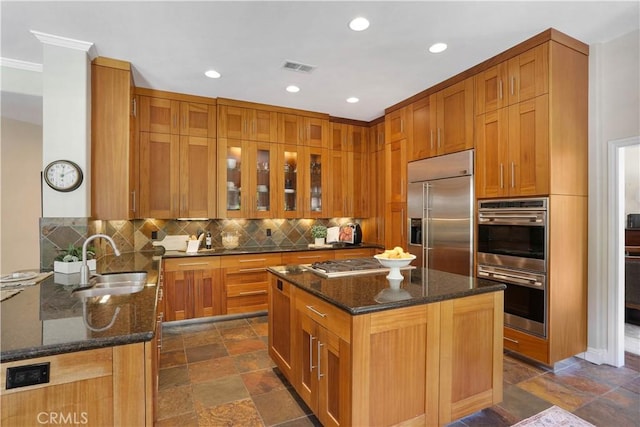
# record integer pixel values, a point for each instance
(440, 212)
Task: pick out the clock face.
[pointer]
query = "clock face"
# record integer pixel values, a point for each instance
(63, 175)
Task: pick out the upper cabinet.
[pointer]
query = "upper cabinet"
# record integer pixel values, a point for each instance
(517, 79)
(173, 116)
(114, 141)
(396, 124)
(302, 130)
(247, 123)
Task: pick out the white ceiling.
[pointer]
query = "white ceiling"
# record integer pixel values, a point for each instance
(171, 44)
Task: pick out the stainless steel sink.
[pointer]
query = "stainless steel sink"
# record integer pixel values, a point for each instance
(113, 284)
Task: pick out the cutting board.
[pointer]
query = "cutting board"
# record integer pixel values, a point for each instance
(173, 243)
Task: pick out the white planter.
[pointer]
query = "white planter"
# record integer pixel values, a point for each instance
(319, 241)
(72, 267)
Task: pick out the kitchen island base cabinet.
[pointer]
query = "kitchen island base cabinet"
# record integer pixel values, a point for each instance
(104, 387)
(426, 364)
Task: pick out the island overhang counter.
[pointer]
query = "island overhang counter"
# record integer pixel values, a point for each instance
(360, 350)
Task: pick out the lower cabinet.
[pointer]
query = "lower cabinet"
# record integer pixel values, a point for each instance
(246, 281)
(103, 387)
(192, 288)
(425, 365)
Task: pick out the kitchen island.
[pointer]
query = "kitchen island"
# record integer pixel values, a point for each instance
(360, 350)
(94, 359)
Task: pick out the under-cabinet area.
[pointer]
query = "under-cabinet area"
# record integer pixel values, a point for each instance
(442, 355)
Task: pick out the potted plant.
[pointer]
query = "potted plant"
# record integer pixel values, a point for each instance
(69, 260)
(319, 233)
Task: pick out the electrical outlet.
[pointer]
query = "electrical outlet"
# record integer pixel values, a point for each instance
(154, 235)
(268, 232)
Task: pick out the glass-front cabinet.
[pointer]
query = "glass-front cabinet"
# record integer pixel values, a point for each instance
(246, 179)
(302, 182)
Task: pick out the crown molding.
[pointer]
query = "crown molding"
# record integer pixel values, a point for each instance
(20, 65)
(66, 42)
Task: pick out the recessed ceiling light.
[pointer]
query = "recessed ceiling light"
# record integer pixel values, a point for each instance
(438, 47)
(212, 74)
(293, 89)
(352, 100)
(359, 24)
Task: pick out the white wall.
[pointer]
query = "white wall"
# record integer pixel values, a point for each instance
(21, 163)
(631, 179)
(614, 113)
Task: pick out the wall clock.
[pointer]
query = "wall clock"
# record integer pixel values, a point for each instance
(63, 175)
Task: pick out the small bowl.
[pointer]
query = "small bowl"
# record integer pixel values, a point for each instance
(231, 163)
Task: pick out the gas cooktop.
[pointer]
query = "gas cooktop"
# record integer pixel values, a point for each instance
(349, 267)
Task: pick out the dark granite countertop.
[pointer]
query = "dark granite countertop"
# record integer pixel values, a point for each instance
(264, 249)
(46, 319)
(372, 292)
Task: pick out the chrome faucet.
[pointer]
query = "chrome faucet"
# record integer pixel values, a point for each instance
(84, 268)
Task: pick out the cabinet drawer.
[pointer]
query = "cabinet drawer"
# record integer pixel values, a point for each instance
(306, 257)
(353, 253)
(245, 298)
(247, 263)
(191, 263)
(527, 345)
(325, 314)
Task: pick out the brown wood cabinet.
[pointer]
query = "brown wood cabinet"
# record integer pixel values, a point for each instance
(341, 183)
(192, 288)
(250, 124)
(246, 281)
(307, 257)
(107, 386)
(177, 175)
(397, 125)
(300, 130)
(114, 141)
(441, 361)
(177, 114)
(518, 79)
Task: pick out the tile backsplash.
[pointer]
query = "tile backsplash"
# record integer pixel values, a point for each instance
(136, 235)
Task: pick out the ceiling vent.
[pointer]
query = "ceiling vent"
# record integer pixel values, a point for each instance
(296, 66)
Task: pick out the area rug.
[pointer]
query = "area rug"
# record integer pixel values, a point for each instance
(552, 417)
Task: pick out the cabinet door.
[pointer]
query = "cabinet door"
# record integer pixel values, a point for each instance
(197, 177)
(376, 137)
(528, 164)
(232, 177)
(339, 183)
(316, 177)
(262, 180)
(333, 374)
(231, 122)
(263, 126)
(395, 224)
(528, 75)
(360, 194)
(197, 120)
(289, 181)
(490, 91)
(207, 293)
(396, 171)
(423, 142)
(159, 175)
(455, 117)
(290, 129)
(380, 180)
(307, 355)
(339, 136)
(178, 290)
(396, 125)
(357, 140)
(159, 115)
(280, 327)
(317, 132)
(492, 144)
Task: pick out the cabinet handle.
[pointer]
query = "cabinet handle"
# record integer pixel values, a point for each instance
(500, 89)
(401, 125)
(431, 136)
(513, 175)
(253, 293)
(191, 264)
(320, 375)
(311, 338)
(310, 307)
(513, 84)
(253, 260)
(511, 340)
(253, 269)
(439, 138)
(309, 257)
(133, 201)
(501, 175)
(134, 107)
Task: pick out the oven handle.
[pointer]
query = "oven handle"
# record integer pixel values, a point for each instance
(511, 218)
(528, 281)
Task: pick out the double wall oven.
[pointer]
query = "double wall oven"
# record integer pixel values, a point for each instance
(513, 249)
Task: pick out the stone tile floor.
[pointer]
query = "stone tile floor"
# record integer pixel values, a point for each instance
(220, 374)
